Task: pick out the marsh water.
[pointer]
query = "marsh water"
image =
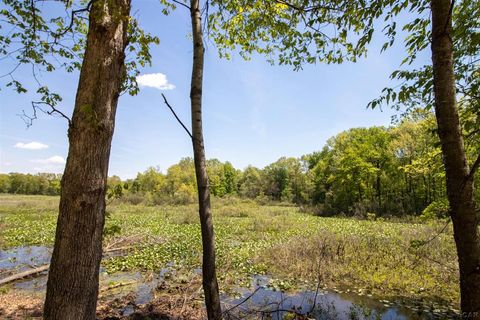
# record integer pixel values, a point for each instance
(253, 302)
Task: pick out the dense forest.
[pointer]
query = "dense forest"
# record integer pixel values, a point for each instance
(390, 171)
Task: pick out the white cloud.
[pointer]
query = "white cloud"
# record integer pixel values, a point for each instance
(31, 145)
(155, 80)
(51, 160)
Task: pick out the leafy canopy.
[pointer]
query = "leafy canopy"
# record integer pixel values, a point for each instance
(49, 36)
(298, 32)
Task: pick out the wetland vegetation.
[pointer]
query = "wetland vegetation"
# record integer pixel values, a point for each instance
(410, 261)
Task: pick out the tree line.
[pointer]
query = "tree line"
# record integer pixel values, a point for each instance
(388, 171)
(40, 183)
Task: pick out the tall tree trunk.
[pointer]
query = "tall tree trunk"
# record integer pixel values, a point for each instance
(459, 188)
(72, 286)
(210, 284)
(378, 186)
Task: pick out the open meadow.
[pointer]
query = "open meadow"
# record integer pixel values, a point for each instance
(409, 263)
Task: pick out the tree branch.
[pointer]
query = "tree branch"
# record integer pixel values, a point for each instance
(36, 106)
(181, 3)
(227, 311)
(206, 23)
(176, 117)
(72, 20)
(316, 296)
(307, 9)
(472, 133)
(449, 17)
(474, 168)
(34, 17)
(267, 310)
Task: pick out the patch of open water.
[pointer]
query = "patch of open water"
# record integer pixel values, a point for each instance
(253, 302)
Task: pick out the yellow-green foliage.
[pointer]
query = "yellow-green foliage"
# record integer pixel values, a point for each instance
(293, 247)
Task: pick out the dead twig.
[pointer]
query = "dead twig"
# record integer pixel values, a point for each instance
(244, 300)
(176, 117)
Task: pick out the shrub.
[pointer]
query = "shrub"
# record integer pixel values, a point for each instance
(232, 211)
(133, 198)
(188, 215)
(371, 216)
(436, 210)
(184, 195)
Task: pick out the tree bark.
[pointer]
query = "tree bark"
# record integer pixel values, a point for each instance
(459, 186)
(72, 286)
(210, 284)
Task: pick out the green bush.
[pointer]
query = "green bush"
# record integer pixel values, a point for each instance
(371, 216)
(436, 210)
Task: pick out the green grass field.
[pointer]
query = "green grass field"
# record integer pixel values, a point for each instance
(389, 259)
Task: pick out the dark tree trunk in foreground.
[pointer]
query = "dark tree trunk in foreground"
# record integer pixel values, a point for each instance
(72, 287)
(459, 179)
(210, 285)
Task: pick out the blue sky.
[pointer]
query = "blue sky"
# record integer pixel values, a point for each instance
(254, 113)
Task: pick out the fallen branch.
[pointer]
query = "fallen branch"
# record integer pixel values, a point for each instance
(123, 240)
(38, 270)
(24, 274)
(118, 285)
(120, 249)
